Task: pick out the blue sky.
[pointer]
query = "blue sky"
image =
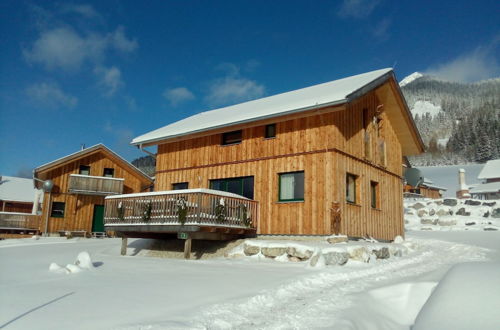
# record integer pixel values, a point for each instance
(75, 73)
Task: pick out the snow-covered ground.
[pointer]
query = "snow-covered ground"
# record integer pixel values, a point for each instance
(136, 292)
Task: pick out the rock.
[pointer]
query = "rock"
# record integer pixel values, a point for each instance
(294, 259)
(472, 202)
(272, 252)
(383, 253)
(438, 202)
(443, 212)
(427, 221)
(301, 254)
(470, 223)
(360, 254)
(450, 202)
(409, 211)
(418, 206)
(489, 203)
(432, 212)
(337, 239)
(336, 258)
(447, 222)
(251, 250)
(487, 214)
(490, 229)
(422, 213)
(314, 260)
(495, 213)
(462, 212)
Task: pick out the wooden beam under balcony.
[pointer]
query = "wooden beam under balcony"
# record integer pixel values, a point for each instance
(95, 185)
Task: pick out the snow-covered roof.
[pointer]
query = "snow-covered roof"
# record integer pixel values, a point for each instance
(410, 78)
(490, 170)
(428, 183)
(85, 151)
(486, 188)
(17, 189)
(327, 94)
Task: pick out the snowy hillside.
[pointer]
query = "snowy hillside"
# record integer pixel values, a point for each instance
(410, 78)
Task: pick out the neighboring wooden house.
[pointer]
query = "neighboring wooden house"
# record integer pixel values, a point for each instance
(19, 205)
(489, 188)
(304, 155)
(81, 181)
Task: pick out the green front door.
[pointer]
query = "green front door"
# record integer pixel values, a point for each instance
(98, 219)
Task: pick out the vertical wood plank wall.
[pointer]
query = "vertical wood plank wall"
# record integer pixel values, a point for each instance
(79, 208)
(325, 147)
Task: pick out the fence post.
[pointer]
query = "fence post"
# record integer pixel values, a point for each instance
(123, 251)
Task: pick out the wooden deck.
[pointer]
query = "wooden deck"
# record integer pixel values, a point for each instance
(197, 213)
(15, 222)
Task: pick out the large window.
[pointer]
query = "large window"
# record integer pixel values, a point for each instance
(231, 137)
(84, 170)
(180, 185)
(57, 210)
(242, 186)
(270, 131)
(351, 188)
(291, 186)
(374, 194)
(109, 172)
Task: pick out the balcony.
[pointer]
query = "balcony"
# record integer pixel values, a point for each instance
(95, 185)
(13, 221)
(201, 211)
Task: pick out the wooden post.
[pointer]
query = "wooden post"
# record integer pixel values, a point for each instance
(187, 248)
(124, 246)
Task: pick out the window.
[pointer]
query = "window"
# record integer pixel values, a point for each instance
(180, 185)
(351, 188)
(231, 137)
(291, 186)
(109, 172)
(242, 186)
(57, 210)
(374, 194)
(84, 170)
(270, 131)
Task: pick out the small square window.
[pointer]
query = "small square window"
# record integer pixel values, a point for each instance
(109, 172)
(180, 185)
(57, 210)
(233, 137)
(374, 194)
(351, 188)
(270, 131)
(291, 186)
(84, 170)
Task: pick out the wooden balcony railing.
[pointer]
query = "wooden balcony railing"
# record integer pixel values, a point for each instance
(198, 207)
(19, 221)
(95, 185)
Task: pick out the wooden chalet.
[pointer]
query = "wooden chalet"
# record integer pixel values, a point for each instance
(316, 161)
(81, 181)
(426, 189)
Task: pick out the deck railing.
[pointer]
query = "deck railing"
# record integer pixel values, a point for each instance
(95, 185)
(14, 220)
(182, 207)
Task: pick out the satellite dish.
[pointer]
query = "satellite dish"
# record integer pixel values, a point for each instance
(47, 185)
(413, 177)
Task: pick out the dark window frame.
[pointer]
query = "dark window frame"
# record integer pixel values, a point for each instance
(355, 180)
(295, 198)
(177, 184)
(270, 131)
(374, 194)
(242, 181)
(60, 209)
(112, 172)
(230, 138)
(84, 168)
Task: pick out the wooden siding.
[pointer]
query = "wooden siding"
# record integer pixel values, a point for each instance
(16, 207)
(325, 146)
(79, 208)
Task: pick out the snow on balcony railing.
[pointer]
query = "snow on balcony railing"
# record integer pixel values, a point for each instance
(182, 207)
(15, 220)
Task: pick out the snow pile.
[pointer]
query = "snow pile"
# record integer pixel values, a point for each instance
(421, 108)
(452, 214)
(466, 298)
(335, 250)
(83, 261)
